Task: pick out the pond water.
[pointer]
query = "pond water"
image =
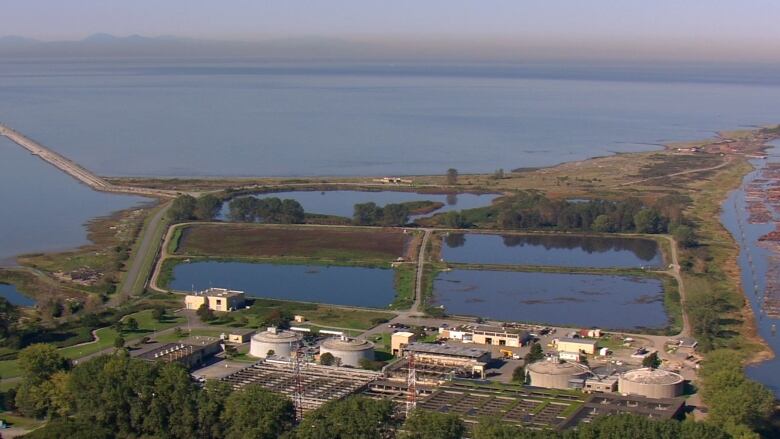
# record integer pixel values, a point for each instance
(755, 260)
(342, 203)
(615, 302)
(551, 250)
(356, 286)
(14, 296)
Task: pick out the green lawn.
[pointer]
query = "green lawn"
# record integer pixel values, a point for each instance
(107, 336)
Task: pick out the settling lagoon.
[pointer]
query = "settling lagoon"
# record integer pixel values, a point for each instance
(342, 202)
(551, 250)
(13, 295)
(584, 300)
(355, 286)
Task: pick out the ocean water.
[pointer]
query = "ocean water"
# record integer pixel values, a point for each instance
(239, 117)
(44, 209)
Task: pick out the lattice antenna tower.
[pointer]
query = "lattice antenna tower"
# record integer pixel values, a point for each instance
(411, 383)
(298, 396)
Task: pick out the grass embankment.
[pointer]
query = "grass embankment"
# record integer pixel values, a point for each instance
(95, 267)
(256, 240)
(404, 287)
(325, 316)
(148, 257)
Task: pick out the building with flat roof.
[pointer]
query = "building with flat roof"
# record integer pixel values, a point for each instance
(400, 339)
(239, 335)
(217, 299)
(576, 345)
(473, 360)
(488, 335)
(190, 352)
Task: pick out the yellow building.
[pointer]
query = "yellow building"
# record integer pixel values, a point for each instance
(576, 345)
(239, 336)
(217, 299)
(399, 340)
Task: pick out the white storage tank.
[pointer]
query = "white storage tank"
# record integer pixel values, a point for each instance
(651, 383)
(555, 375)
(282, 343)
(348, 351)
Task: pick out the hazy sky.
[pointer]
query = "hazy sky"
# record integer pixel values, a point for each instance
(727, 26)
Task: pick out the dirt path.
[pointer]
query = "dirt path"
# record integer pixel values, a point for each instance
(675, 174)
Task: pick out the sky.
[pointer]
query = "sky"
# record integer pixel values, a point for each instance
(676, 27)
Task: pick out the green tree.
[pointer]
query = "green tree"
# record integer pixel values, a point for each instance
(172, 411)
(649, 221)
(684, 236)
(366, 214)
(159, 313)
(119, 342)
(454, 220)
(39, 362)
(603, 224)
(9, 314)
(327, 359)
(394, 215)
(254, 412)
(205, 313)
(207, 207)
(536, 353)
(291, 212)
(424, 424)
(352, 417)
(131, 324)
(518, 375)
(651, 361)
(211, 404)
(452, 176)
(493, 428)
(182, 208)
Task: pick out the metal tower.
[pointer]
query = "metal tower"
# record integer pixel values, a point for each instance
(298, 396)
(411, 383)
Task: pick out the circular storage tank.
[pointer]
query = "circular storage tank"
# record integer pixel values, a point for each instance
(283, 343)
(348, 350)
(652, 383)
(555, 375)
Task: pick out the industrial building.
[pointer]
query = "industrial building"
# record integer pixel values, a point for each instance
(651, 383)
(217, 299)
(400, 339)
(319, 384)
(453, 357)
(282, 343)
(239, 335)
(576, 345)
(348, 351)
(190, 352)
(488, 335)
(557, 375)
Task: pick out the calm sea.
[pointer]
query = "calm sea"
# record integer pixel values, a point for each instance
(240, 117)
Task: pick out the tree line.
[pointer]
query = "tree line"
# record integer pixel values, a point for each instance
(369, 214)
(187, 208)
(268, 210)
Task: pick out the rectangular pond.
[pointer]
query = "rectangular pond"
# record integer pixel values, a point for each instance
(551, 250)
(354, 286)
(585, 300)
(11, 294)
(342, 202)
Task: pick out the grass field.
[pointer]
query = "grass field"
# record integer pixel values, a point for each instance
(253, 240)
(315, 314)
(107, 337)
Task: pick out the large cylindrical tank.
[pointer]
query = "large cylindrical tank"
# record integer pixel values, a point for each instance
(349, 351)
(651, 383)
(555, 375)
(283, 343)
